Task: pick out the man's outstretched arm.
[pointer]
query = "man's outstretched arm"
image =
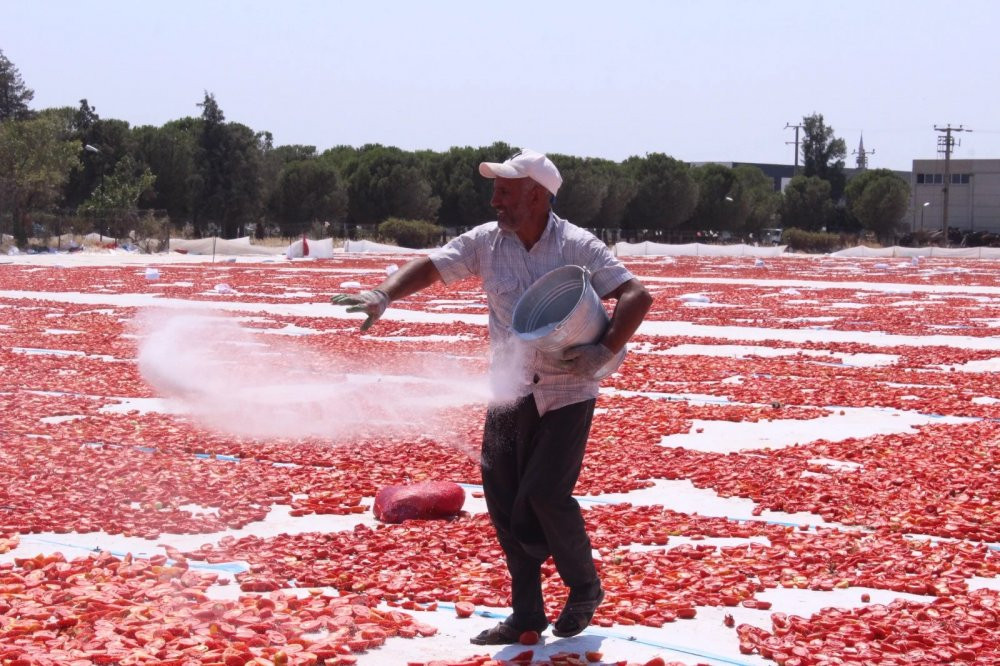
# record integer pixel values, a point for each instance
(411, 278)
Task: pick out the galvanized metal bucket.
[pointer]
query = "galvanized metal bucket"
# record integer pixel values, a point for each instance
(562, 310)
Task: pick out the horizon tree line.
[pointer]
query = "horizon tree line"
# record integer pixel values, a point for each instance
(211, 176)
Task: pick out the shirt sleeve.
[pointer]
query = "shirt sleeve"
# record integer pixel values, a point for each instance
(459, 258)
(607, 273)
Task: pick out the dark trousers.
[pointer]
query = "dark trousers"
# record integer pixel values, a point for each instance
(530, 465)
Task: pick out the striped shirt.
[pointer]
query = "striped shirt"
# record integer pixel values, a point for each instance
(499, 258)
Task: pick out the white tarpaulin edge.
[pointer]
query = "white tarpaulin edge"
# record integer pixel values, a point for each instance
(940, 252)
(369, 247)
(223, 246)
(649, 248)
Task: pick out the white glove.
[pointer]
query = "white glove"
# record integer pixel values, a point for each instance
(585, 360)
(373, 303)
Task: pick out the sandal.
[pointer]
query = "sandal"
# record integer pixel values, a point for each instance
(502, 634)
(576, 615)
(506, 632)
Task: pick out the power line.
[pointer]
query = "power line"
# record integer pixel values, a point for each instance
(945, 144)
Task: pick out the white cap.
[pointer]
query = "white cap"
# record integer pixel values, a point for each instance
(525, 164)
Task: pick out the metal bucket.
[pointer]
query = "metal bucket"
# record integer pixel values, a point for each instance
(562, 310)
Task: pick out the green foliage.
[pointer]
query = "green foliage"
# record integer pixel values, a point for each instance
(583, 189)
(621, 190)
(665, 193)
(114, 203)
(878, 199)
(14, 95)
(227, 180)
(801, 240)
(293, 153)
(169, 152)
(85, 116)
(120, 191)
(387, 182)
(307, 191)
(806, 204)
(414, 234)
(720, 204)
(211, 175)
(455, 180)
(594, 192)
(35, 161)
(112, 140)
(757, 196)
(150, 232)
(823, 154)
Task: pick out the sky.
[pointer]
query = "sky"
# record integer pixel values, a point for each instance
(708, 80)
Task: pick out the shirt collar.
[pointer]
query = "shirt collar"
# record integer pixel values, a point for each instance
(547, 233)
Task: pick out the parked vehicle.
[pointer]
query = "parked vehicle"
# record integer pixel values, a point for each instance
(770, 236)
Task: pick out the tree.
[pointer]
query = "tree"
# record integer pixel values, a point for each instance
(452, 177)
(85, 116)
(35, 161)
(757, 195)
(455, 180)
(665, 194)
(111, 139)
(386, 182)
(621, 189)
(806, 204)
(169, 152)
(121, 189)
(14, 95)
(414, 234)
(307, 191)
(227, 182)
(823, 154)
(720, 204)
(584, 188)
(878, 199)
(117, 196)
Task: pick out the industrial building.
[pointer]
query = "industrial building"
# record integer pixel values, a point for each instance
(973, 195)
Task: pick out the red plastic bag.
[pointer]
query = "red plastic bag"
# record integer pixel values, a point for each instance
(430, 499)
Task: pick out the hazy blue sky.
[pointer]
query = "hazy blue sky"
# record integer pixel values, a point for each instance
(709, 80)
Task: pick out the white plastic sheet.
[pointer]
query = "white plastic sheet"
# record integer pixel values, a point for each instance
(214, 245)
(370, 247)
(649, 248)
(941, 252)
(317, 249)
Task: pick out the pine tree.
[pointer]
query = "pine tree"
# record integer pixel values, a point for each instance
(14, 95)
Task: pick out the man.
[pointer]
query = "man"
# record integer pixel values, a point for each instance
(532, 447)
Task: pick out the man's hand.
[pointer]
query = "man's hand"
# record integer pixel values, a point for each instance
(373, 303)
(585, 360)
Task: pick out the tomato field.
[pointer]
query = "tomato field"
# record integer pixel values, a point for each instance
(796, 465)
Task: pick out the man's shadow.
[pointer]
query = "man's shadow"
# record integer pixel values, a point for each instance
(580, 644)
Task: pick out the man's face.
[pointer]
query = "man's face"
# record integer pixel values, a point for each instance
(515, 202)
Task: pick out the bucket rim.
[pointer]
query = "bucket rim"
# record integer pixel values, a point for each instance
(580, 273)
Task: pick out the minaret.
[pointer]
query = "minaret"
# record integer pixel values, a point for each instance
(862, 160)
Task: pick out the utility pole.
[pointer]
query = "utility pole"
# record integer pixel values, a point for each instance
(945, 144)
(795, 170)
